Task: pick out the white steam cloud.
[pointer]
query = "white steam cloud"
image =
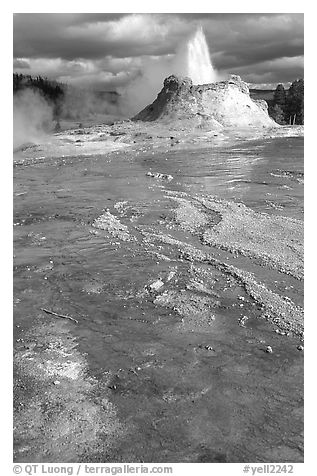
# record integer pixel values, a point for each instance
(32, 117)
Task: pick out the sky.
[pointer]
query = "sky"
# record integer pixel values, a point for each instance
(110, 51)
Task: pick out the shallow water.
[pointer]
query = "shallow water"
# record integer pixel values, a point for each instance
(256, 173)
(179, 401)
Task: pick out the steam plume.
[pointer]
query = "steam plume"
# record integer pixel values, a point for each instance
(192, 59)
(32, 117)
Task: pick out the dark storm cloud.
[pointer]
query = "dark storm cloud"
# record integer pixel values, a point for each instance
(93, 36)
(282, 70)
(250, 39)
(47, 35)
(238, 42)
(257, 54)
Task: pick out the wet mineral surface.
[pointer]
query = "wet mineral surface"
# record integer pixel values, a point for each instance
(181, 265)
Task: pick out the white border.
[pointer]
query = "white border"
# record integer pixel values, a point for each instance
(310, 200)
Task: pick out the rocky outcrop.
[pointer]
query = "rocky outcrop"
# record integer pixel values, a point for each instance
(222, 104)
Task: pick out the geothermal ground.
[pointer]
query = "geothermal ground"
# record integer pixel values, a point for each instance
(179, 257)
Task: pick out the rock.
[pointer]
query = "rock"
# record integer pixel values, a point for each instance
(300, 347)
(156, 285)
(56, 382)
(242, 321)
(112, 225)
(208, 347)
(158, 175)
(282, 333)
(171, 275)
(269, 349)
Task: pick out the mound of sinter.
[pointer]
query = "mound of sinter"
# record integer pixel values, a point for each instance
(222, 104)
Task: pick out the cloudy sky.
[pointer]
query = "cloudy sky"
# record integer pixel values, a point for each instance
(108, 51)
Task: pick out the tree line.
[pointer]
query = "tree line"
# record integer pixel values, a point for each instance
(51, 90)
(287, 107)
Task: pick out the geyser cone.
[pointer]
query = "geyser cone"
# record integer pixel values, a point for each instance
(213, 106)
(193, 60)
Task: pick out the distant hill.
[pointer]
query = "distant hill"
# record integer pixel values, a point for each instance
(109, 96)
(266, 94)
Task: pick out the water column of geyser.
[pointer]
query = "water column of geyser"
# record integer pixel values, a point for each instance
(193, 60)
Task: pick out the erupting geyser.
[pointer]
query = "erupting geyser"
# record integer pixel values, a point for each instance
(193, 60)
